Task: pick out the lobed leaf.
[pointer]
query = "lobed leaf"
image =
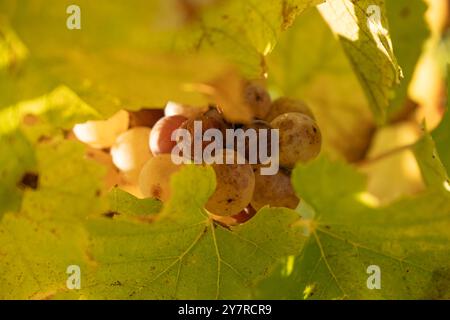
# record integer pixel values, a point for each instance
(183, 254)
(348, 233)
(362, 29)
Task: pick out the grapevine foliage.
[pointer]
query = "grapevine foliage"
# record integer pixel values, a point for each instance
(55, 212)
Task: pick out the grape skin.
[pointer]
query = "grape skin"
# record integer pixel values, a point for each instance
(258, 125)
(300, 138)
(275, 191)
(207, 123)
(285, 105)
(131, 151)
(102, 134)
(257, 98)
(154, 179)
(178, 109)
(160, 137)
(240, 218)
(245, 215)
(234, 189)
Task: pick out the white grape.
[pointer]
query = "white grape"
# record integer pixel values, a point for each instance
(274, 190)
(207, 123)
(234, 189)
(102, 134)
(285, 105)
(160, 137)
(178, 109)
(300, 138)
(131, 151)
(154, 179)
(257, 98)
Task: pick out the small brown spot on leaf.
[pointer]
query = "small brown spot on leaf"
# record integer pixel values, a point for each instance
(29, 180)
(405, 13)
(43, 139)
(110, 214)
(30, 120)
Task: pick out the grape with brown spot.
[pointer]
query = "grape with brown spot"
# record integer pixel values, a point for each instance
(300, 138)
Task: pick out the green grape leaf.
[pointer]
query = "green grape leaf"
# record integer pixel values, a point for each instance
(123, 203)
(349, 235)
(12, 50)
(244, 31)
(409, 33)
(16, 159)
(428, 158)
(321, 75)
(56, 213)
(42, 239)
(59, 110)
(27, 123)
(36, 254)
(442, 137)
(442, 134)
(110, 65)
(47, 188)
(362, 29)
(152, 64)
(183, 254)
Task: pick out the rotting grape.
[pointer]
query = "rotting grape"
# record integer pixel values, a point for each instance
(160, 137)
(102, 133)
(178, 109)
(131, 151)
(154, 179)
(274, 190)
(242, 217)
(234, 189)
(145, 117)
(257, 98)
(300, 138)
(245, 215)
(285, 105)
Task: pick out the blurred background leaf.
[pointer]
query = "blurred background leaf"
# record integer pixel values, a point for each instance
(141, 59)
(409, 32)
(312, 66)
(362, 28)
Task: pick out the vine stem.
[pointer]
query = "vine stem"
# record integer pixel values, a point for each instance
(384, 155)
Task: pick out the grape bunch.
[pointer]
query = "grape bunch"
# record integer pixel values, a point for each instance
(136, 148)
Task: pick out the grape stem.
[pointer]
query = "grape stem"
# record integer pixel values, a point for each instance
(384, 155)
